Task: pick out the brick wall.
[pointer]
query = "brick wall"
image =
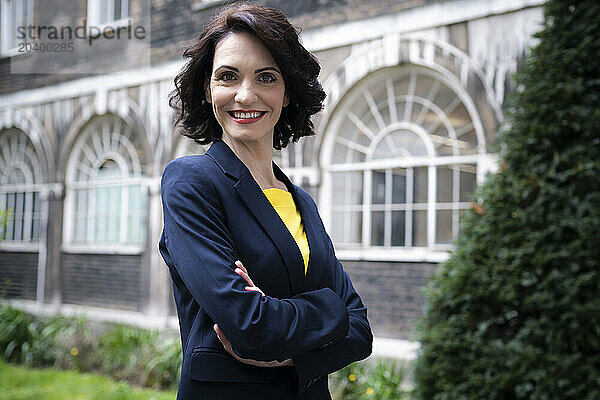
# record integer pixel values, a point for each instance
(102, 280)
(18, 275)
(392, 292)
(174, 22)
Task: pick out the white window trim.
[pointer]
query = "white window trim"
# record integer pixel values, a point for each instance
(199, 5)
(32, 170)
(92, 15)
(432, 251)
(113, 25)
(415, 254)
(70, 246)
(6, 24)
(87, 247)
(93, 248)
(27, 247)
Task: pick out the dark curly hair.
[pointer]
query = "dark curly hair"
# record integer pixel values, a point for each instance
(299, 68)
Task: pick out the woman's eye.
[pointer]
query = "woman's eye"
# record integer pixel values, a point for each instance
(267, 78)
(226, 76)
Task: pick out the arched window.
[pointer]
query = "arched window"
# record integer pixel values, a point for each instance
(106, 185)
(403, 149)
(20, 180)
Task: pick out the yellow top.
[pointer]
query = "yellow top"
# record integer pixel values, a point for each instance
(283, 202)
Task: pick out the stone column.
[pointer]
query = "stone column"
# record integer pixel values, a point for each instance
(157, 279)
(50, 251)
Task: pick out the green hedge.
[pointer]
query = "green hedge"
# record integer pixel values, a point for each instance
(515, 312)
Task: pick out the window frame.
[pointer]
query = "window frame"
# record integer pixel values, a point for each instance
(93, 10)
(198, 5)
(31, 190)
(98, 149)
(7, 24)
(479, 160)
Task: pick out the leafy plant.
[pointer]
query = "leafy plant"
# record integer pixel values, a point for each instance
(164, 368)
(75, 342)
(141, 356)
(4, 215)
(378, 379)
(32, 341)
(150, 358)
(18, 336)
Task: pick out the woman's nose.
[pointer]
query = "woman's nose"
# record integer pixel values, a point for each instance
(246, 93)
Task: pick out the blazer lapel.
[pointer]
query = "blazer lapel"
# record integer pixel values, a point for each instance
(316, 242)
(266, 216)
(258, 204)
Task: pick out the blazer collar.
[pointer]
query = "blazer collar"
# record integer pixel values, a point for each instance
(261, 208)
(226, 159)
(232, 166)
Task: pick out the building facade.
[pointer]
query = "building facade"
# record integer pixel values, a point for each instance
(415, 89)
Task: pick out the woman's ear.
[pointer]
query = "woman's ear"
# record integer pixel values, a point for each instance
(207, 91)
(286, 99)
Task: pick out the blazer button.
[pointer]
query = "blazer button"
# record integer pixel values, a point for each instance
(330, 343)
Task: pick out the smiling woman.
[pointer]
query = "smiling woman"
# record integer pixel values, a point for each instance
(280, 40)
(266, 310)
(246, 89)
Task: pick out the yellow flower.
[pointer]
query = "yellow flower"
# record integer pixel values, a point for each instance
(351, 377)
(74, 351)
(369, 391)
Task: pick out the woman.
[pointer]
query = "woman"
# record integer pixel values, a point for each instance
(265, 309)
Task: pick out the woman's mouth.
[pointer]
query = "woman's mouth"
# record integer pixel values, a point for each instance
(246, 117)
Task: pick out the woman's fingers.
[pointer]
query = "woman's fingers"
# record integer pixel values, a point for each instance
(241, 266)
(241, 271)
(254, 289)
(221, 336)
(244, 275)
(229, 348)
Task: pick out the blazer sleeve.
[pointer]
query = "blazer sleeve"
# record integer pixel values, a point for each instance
(356, 345)
(202, 251)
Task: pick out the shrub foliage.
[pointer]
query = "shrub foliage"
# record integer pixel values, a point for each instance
(141, 357)
(152, 358)
(371, 379)
(515, 312)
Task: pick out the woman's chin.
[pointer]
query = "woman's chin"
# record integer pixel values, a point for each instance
(249, 135)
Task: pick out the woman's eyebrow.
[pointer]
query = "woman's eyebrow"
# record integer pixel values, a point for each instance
(228, 67)
(256, 71)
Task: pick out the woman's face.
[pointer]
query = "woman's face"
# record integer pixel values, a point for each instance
(246, 89)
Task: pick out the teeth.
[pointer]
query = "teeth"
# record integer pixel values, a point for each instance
(242, 115)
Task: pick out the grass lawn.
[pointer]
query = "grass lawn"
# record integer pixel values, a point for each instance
(18, 383)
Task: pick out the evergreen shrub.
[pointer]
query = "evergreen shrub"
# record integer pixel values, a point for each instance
(515, 312)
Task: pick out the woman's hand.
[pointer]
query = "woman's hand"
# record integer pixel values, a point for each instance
(229, 348)
(241, 271)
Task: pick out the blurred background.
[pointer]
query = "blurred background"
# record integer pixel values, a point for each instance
(416, 96)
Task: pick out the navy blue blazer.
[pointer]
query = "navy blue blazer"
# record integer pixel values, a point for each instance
(214, 214)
